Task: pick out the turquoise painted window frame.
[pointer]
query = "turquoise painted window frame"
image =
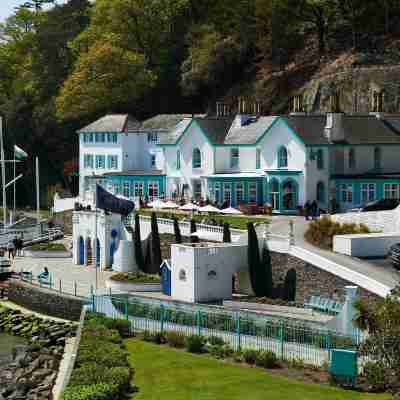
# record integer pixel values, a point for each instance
(84, 137)
(225, 186)
(153, 160)
(112, 162)
(240, 200)
(274, 195)
(117, 187)
(139, 188)
(154, 187)
(251, 194)
(320, 159)
(258, 158)
(196, 158)
(391, 188)
(100, 161)
(377, 158)
(366, 188)
(217, 192)
(295, 186)
(344, 193)
(234, 157)
(282, 157)
(178, 159)
(321, 192)
(126, 188)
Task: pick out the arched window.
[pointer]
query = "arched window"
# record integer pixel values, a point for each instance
(196, 160)
(178, 159)
(352, 159)
(282, 157)
(320, 159)
(289, 195)
(377, 158)
(321, 192)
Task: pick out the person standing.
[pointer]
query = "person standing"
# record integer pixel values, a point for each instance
(314, 209)
(307, 207)
(10, 248)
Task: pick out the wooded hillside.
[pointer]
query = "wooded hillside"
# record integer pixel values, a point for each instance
(60, 68)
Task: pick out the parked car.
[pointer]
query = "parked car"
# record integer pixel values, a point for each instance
(381, 205)
(394, 255)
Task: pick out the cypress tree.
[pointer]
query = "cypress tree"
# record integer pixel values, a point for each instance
(290, 285)
(267, 265)
(227, 234)
(193, 229)
(253, 256)
(137, 242)
(177, 231)
(156, 258)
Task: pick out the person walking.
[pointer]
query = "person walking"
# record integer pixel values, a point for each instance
(307, 208)
(10, 249)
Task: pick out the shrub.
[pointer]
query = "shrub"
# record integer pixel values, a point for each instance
(250, 356)
(175, 339)
(95, 320)
(105, 353)
(135, 277)
(100, 391)
(237, 356)
(321, 231)
(215, 340)
(220, 351)
(159, 338)
(375, 375)
(195, 344)
(266, 359)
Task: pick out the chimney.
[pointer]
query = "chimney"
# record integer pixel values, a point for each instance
(334, 130)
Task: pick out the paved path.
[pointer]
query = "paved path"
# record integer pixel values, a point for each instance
(63, 269)
(380, 271)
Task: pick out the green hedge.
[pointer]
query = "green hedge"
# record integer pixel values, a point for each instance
(101, 371)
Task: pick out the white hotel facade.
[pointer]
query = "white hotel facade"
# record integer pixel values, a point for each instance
(281, 160)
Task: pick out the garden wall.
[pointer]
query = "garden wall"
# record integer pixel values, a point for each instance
(45, 301)
(310, 279)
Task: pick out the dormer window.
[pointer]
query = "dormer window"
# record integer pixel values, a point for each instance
(378, 101)
(282, 157)
(196, 158)
(234, 158)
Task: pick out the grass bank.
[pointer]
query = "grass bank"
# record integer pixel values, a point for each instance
(236, 222)
(162, 373)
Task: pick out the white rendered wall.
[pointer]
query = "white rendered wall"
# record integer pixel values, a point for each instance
(198, 262)
(84, 226)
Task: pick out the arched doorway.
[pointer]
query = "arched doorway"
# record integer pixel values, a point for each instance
(289, 195)
(274, 195)
(89, 255)
(81, 251)
(112, 252)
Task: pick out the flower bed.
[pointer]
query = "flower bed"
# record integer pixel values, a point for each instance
(134, 282)
(47, 250)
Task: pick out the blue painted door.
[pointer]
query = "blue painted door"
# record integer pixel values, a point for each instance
(98, 252)
(112, 251)
(81, 255)
(166, 280)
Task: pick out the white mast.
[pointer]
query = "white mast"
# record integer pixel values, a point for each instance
(3, 175)
(37, 192)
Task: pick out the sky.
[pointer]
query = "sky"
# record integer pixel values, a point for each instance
(7, 7)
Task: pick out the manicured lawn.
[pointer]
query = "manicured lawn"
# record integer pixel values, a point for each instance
(162, 373)
(237, 222)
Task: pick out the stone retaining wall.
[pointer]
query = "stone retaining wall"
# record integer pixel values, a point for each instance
(45, 301)
(310, 279)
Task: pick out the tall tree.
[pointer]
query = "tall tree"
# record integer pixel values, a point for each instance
(257, 277)
(227, 234)
(266, 263)
(156, 258)
(138, 244)
(177, 231)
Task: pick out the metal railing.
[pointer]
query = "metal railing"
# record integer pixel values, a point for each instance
(287, 341)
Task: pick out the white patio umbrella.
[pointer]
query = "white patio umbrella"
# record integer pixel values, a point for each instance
(156, 204)
(169, 204)
(210, 209)
(231, 211)
(189, 207)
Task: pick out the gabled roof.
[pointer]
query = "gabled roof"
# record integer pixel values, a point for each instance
(310, 128)
(251, 133)
(216, 129)
(164, 121)
(115, 123)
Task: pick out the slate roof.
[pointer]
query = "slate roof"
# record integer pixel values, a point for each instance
(116, 123)
(310, 128)
(164, 121)
(249, 134)
(153, 172)
(216, 129)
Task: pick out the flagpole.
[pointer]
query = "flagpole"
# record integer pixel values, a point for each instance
(37, 192)
(3, 175)
(95, 234)
(15, 186)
